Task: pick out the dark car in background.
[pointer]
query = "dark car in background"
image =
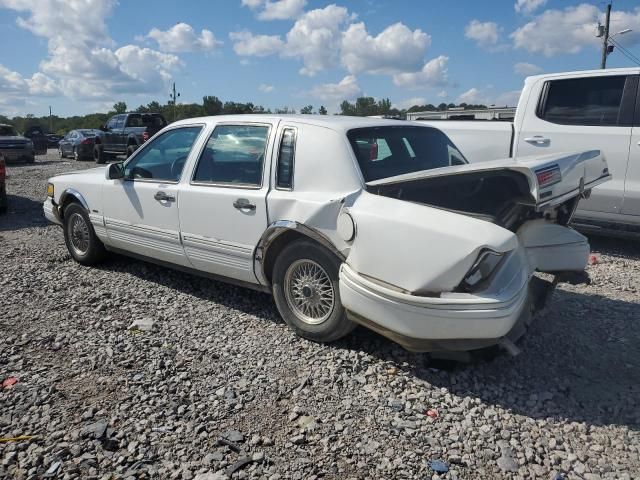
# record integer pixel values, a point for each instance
(78, 144)
(14, 146)
(36, 134)
(125, 132)
(53, 140)
(3, 185)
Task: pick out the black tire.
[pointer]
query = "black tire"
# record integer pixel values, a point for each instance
(301, 254)
(98, 154)
(77, 230)
(4, 202)
(131, 149)
(31, 159)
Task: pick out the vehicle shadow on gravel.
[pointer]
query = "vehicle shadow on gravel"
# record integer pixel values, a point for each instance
(580, 362)
(617, 247)
(22, 213)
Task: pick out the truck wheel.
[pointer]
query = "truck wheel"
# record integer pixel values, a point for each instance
(306, 292)
(98, 154)
(82, 242)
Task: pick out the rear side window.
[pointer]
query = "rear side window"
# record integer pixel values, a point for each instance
(584, 101)
(286, 155)
(233, 155)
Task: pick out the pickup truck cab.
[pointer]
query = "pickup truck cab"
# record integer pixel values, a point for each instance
(124, 133)
(566, 112)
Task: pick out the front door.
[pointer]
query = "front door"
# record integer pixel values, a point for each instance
(141, 210)
(223, 210)
(578, 114)
(631, 204)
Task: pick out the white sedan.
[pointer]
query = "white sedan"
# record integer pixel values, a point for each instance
(345, 220)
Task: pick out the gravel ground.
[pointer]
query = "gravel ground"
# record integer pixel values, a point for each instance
(221, 387)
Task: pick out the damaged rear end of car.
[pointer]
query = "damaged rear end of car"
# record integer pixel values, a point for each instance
(445, 252)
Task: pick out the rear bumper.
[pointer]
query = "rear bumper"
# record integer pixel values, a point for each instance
(12, 155)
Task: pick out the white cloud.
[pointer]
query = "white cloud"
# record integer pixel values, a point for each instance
(14, 84)
(346, 89)
(276, 9)
(488, 97)
(266, 88)
(442, 94)
(395, 49)
(410, 102)
(248, 44)
(83, 61)
(434, 73)
(555, 32)
(527, 7)
(485, 34)
(183, 38)
(526, 69)
(315, 38)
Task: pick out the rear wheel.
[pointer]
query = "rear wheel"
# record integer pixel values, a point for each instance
(98, 154)
(3, 200)
(306, 292)
(82, 242)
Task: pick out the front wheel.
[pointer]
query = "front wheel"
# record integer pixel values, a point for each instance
(306, 292)
(98, 154)
(82, 242)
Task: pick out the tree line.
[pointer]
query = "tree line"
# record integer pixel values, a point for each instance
(212, 105)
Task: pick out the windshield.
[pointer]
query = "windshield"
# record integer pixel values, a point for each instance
(7, 131)
(384, 152)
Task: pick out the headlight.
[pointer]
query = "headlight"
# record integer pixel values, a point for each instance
(50, 190)
(482, 269)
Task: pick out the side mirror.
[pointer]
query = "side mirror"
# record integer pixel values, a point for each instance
(115, 171)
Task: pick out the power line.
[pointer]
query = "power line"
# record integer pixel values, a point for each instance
(626, 52)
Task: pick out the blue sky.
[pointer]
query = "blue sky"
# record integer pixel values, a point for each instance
(81, 56)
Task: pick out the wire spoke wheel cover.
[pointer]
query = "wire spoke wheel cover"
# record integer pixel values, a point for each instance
(78, 232)
(309, 291)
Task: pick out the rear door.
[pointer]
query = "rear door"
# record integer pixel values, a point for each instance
(588, 113)
(631, 204)
(223, 211)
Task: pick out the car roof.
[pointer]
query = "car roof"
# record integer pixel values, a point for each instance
(339, 123)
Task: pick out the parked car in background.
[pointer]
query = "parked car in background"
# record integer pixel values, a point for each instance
(78, 144)
(124, 133)
(563, 112)
(40, 141)
(345, 220)
(53, 140)
(3, 184)
(14, 146)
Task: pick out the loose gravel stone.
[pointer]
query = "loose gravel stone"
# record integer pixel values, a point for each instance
(109, 402)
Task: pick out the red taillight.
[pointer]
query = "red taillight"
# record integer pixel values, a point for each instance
(86, 141)
(145, 136)
(373, 153)
(3, 168)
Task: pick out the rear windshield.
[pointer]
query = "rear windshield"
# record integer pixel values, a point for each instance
(384, 152)
(6, 131)
(88, 133)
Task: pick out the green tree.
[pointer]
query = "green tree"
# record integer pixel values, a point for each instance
(212, 105)
(384, 107)
(120, 107)
(322, 110)
(307, 110)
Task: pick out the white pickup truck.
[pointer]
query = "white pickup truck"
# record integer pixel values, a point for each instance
(568, 112)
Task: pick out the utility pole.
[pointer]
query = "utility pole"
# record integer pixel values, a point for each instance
(50, 121)
(604, 32)
(174, 96)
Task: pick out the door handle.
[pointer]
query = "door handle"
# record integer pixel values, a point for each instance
(163, 197)
(244, 204)
(538, 140)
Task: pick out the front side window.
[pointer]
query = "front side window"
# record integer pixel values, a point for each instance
(384, 152)
(584, 101)
(120, 121)
(285, 159)
(112, 123)
(163, 159)
(234, 155)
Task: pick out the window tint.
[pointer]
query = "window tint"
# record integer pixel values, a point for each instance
(134, 121)
(163, 158)
(384, 152)
(285, 158)
(120, 121)
(584, 101)
(234, 154)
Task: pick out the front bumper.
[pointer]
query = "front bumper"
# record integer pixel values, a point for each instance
(12, 155)
(51, 211)
(450, 322)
